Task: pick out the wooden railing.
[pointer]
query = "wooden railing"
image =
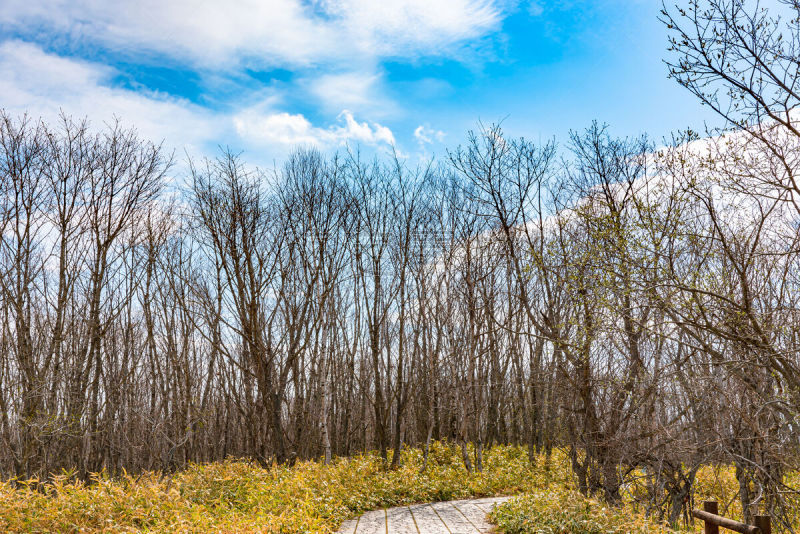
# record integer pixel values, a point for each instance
(709, 515)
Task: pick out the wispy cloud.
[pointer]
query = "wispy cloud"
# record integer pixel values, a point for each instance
(426, 135)
(335, 51)
(44, 84)
(358, 91)
(233, 33)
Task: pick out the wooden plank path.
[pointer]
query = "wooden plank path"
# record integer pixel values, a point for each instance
(453, 517)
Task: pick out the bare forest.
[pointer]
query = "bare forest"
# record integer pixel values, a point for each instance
(634, 302)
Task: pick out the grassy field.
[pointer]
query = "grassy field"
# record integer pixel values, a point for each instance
(238, 496)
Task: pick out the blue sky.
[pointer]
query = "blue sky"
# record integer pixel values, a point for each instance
(264, 76)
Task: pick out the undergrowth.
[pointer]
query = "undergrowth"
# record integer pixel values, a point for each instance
(239, 496)
(558, 508)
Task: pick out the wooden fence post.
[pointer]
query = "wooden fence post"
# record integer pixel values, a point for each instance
(763, 522)
(712, 508)
(712, 521)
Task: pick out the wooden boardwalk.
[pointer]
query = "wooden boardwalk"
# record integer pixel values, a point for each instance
(453, 517)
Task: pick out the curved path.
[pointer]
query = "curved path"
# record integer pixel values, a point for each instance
(452, 517)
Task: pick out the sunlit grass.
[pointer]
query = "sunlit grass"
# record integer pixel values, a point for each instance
(558, 508)
(239, 496)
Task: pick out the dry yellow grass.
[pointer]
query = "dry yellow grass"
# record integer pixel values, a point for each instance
(238, 496)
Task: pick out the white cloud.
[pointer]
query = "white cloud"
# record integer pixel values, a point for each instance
(341, 41)
(361, 131)
(281, 127)
(416, 26)
(224, 34)
(356, 91)
(426, 136)
(259, 127)
(44, 84)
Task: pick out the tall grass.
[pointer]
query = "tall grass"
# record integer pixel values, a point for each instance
(239, 496)
(558, 508)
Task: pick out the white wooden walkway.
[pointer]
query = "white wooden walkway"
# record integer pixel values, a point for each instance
(453, 517)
